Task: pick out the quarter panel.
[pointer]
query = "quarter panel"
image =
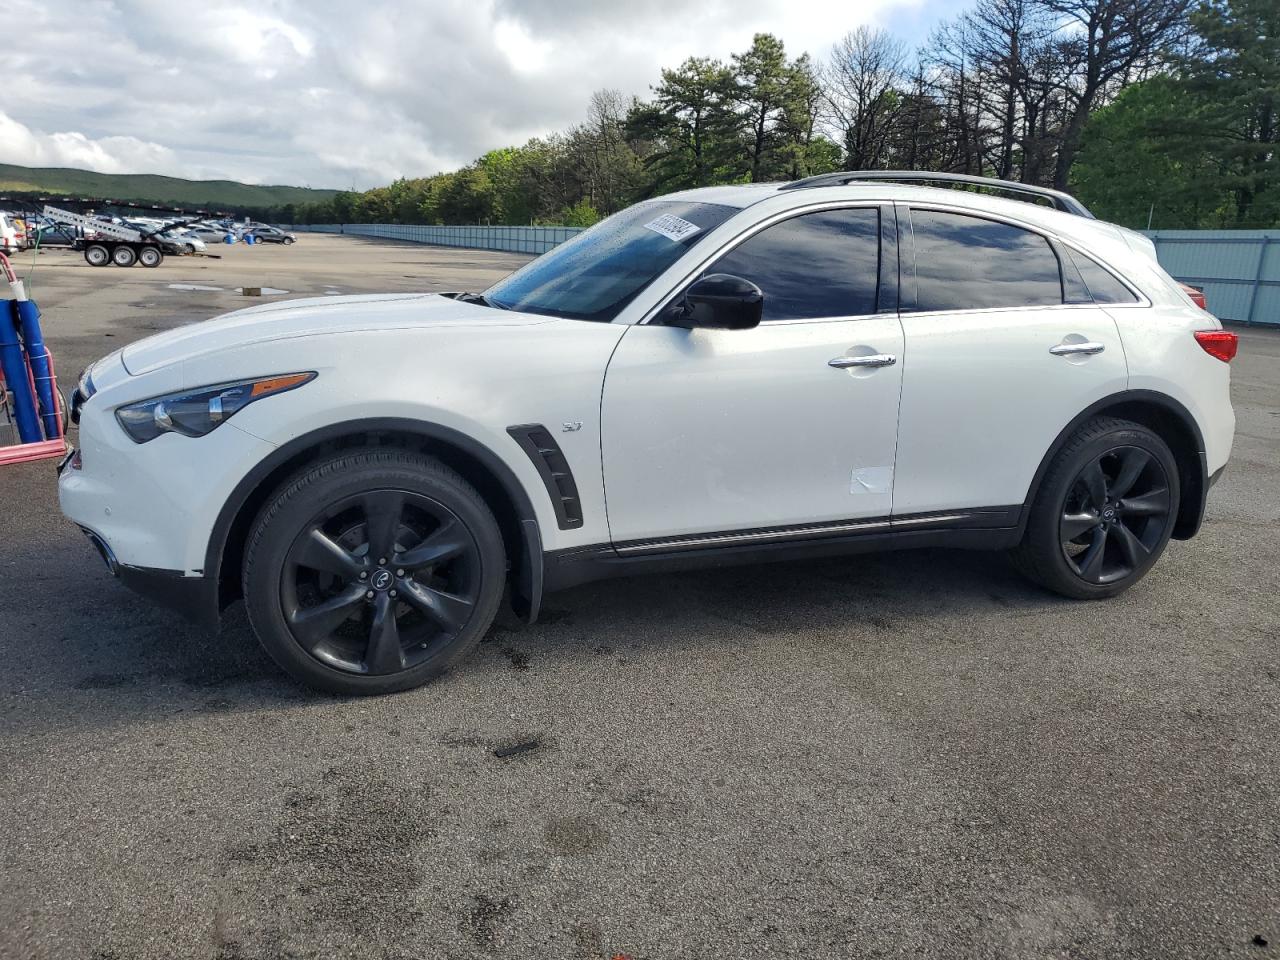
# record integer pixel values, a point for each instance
(1164, 357)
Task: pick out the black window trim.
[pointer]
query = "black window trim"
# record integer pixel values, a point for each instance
(1141, 299)
(907, 258)
(887, 259)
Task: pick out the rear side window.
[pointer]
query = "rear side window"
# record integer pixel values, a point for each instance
(1103, 287)
(814, 266)
(967, 263)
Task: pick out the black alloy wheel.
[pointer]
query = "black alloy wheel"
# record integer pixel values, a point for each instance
(376, 581)
(1115, 515)
(1104, 511)
(373, 571)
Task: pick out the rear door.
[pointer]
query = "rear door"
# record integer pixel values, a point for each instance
(1004, 347)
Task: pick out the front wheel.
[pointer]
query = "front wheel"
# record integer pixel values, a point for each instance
(373, 572)
(1104, 512)
(150, 256)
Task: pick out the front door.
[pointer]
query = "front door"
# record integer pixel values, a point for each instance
(791, 423)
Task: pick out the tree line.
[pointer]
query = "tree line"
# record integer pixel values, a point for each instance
(1153, 112)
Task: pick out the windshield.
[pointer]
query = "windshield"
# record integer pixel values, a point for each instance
(601, 270)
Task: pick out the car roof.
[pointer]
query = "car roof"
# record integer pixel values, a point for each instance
(1084, 230)
(1107, 241)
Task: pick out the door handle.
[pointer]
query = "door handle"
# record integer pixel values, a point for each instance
(874, 360)
(1088, 349)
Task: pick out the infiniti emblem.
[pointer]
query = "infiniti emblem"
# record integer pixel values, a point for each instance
(1108, 513)
(381, 580)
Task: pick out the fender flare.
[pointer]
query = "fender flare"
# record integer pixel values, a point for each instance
(1191, 510)
(526, 575)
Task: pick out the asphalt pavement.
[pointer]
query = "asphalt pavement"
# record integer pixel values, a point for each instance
(905, 755)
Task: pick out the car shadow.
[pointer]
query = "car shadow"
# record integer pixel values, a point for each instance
(112, 658)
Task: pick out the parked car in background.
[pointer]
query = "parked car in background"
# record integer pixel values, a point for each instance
(176, 241)
(187, 239)
(45, 232)
(267, 234)
(13, 233)
(211, 233)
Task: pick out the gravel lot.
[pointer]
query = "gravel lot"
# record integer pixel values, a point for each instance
(904, 755)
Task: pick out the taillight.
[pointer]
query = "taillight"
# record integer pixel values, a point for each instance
(1196, 295)
(1218, 343)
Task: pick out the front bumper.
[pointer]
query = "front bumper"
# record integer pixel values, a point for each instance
(155, 503)
(195, 597)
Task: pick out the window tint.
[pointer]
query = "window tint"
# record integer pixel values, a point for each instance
(966, 263)
(1103, 287)
(816, 265)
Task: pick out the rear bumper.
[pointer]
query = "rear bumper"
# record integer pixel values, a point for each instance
(195, 598)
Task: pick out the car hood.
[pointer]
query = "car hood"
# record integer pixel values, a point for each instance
(317, 316)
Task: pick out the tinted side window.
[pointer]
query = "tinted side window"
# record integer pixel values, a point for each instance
(1103, 287)
(966, 263)
(824, 264)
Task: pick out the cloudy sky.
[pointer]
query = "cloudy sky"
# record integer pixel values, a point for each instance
(354, 93)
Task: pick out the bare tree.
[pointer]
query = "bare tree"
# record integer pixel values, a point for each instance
(609, 166)
(956, 81)
(861, 88)
(1008, 38)
(1106, 43)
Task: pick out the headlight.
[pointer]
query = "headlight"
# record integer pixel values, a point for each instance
(193, 413)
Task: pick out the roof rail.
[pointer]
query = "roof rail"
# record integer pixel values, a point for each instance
(1061, 201)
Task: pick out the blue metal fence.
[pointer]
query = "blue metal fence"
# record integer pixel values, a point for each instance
(1239, 270)
(509, 239)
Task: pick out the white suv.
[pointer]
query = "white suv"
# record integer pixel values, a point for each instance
(725, 375)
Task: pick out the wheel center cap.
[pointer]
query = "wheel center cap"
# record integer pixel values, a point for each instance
(381, 579)
(1109, 513)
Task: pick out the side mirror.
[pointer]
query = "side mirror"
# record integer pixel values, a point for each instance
(719, 301)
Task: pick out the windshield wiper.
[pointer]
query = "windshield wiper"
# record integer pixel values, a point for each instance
(481, 299)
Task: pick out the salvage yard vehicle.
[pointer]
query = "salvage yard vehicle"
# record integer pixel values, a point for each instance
(13, 234)
(267, 234)
(174, 240)
(49, 233)
(844, 363)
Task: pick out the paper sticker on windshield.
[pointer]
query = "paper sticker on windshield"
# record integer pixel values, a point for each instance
(672, 227)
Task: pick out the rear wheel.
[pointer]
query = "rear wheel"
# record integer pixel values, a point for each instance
(1104, 512)
(96, 255)
(373, 572)
(123, 256)
(150, 256)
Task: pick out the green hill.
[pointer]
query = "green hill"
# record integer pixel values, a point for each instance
(141, 187)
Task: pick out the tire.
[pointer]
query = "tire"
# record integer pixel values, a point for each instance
(124, 256)
(150, 256)
(96, 255)
(333, 616)
(1104, 511)
(288, 240)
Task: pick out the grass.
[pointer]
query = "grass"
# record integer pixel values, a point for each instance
(150, 188)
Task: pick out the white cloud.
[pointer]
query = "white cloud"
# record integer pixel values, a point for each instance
(327, 93)
(70, 148)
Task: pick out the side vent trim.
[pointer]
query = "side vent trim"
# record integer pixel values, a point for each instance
(548, 459)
